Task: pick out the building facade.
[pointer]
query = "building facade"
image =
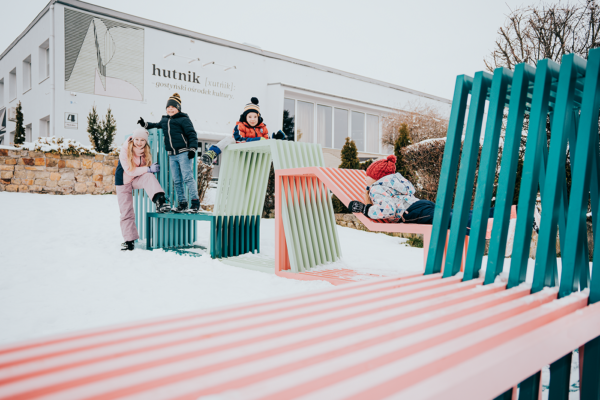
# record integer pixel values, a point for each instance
(76, 55)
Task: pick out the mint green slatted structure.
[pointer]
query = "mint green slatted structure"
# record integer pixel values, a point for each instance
(167, 233)
(308, 217)
(569, 96)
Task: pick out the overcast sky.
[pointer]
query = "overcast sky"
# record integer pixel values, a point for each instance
(422, 45)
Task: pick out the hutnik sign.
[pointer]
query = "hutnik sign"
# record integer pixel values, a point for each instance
(191, 82)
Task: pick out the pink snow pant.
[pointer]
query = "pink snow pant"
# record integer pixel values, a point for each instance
(150, 184)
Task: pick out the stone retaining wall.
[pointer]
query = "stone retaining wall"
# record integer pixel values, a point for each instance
(37, 172)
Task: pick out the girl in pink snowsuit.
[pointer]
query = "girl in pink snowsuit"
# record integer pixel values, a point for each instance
(136, 171)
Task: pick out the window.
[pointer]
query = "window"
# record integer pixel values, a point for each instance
(28, 133)
(44, 57)
(372, 133)
(289, 114)
(324, 126)
(306, 122)
(45, 126)
(12, 82)
(340, 127)
(1, 93)
(2, 125)
(358, 130)
(27, 74)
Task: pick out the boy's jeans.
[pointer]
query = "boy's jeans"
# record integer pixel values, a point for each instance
(181, 171)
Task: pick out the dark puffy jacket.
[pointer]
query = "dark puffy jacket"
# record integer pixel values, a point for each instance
(180, 136)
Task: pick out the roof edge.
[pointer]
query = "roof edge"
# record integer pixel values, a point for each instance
(35, 21)
(213, 40)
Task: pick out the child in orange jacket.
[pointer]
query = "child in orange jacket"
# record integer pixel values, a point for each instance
(248, 129)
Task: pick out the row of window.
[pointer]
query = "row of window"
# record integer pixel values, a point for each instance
(44, 72)
(7, 138)
(330, 126)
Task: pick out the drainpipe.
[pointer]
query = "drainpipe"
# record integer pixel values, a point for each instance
(52, 78)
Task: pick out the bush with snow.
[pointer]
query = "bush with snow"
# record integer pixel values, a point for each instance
(63, 146)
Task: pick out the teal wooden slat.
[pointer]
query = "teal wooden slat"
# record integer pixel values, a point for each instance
(533, 163)
(485, 180)
(580, 186)
(448, 175)
(524, 74)
(468, 162)
(555, 172)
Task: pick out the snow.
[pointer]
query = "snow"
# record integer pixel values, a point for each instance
(58, 144)
(61, 268)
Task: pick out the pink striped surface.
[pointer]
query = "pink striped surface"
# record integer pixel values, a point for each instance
(385, 338)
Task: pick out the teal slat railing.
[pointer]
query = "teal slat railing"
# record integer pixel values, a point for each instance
(567, 95)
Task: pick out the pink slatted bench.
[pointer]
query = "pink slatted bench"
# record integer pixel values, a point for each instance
(416, 337)
(347, 185)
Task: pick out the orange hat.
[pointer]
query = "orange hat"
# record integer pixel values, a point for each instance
(381, 168)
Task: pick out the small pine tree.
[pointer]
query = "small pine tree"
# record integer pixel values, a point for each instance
(108, 129)
(94, 129)
(402, 141)
(349, 155)
(19, 130)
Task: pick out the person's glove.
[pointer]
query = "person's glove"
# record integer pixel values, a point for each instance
(141, 122)
(191, 154)
(279, 135)
(154, 168)
(358, 207)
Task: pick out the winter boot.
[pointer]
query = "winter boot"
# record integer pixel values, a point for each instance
(209, 157)
(195, 206)
(183, 207)
(161, 203)
(128, 245)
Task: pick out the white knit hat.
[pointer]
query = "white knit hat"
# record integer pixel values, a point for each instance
(140, 133)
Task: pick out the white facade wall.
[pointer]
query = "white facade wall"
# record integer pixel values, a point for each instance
(214, 103)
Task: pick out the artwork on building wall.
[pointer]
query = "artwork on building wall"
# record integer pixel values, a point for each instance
(103, 56)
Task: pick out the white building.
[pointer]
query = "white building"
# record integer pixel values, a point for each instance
(75, 55)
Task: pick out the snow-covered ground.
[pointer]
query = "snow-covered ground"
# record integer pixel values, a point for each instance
(61, 268)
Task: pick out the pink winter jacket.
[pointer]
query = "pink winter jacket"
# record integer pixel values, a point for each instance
(129, 175)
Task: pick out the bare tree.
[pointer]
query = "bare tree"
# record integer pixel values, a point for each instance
(423, 120)
(546, 30)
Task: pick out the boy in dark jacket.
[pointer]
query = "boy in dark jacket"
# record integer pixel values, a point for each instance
(249, 128)
(181, 143)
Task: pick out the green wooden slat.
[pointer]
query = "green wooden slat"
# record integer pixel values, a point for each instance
(468, 162)
(301, 259)
(448, 175)
(524, 74)
(316, 222)
(310, 221)
(485, 181)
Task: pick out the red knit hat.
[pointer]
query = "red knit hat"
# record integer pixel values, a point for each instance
(381, 168)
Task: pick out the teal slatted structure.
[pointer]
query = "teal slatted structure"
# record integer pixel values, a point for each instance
(567, 95)
(167, 233)
(240, 199)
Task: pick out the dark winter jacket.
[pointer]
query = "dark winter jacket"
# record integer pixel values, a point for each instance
(243, 132)
(180, 136)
